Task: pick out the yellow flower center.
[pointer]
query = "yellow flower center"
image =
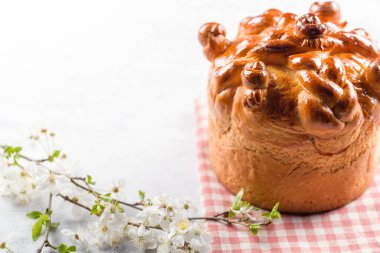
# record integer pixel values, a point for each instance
(51, 178)
(23, 173)
(183, 225)
(104, 229)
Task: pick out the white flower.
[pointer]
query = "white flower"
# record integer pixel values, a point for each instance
(170, 214)
(80, 236)
(187, 206)
(107, 231)
(142, 238)
(117, 188)
(201, 232)
(126, 229)
(170, 243)
(43, 139)
(4, 187)
(114, 214)
(151, 215)
(17, 174)
(201, 238)
(65, 166)
(20, 185)
(199, 246)
(51, 181)
(112, 208)
(181, 226)
(23, 193)
(245, 212)
(158, 213)
(166, 205)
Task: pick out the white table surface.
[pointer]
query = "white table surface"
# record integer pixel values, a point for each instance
(117, 80)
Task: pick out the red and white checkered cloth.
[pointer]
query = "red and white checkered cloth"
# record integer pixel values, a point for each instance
(353, 228)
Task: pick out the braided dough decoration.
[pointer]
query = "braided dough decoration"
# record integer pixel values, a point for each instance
(328, 101)
(306, 72)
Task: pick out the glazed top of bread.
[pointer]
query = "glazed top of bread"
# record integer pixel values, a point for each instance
(303, 74)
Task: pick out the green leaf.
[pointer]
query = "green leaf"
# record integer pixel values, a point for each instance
(141, 195)
(63, 248)
(237, 203)
(9, 150)
(107, 197)
(230, 214)
(54, 225)
(237, 200)
(274, 214)
(34, 215)
(45, 219)
(89, 180)
(97, 208)
(72, 248)
(55, 154)
(37, 229)
(254, 228)
(17, 149)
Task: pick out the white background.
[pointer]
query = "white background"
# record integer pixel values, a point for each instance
(117, 80)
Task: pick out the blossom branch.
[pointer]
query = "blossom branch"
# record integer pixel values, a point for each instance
(4, 147)
(73, 180)
(46, 242)
(160, 222)
(225, 213)
(230, 221)
(68, 199)
(97, 194)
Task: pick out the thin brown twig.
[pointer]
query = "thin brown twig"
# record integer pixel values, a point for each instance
(59, 174)
(225, 213)
(67, 198)
(135, 206)
(4, 147)
(46, 242)
(33, 160)
(219, 219)
(228, 221)
(97, 194)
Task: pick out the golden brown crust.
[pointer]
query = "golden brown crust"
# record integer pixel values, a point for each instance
(286, 77)
(296, 175)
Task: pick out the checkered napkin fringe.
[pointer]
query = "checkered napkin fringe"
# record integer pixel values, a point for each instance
(353, 228)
